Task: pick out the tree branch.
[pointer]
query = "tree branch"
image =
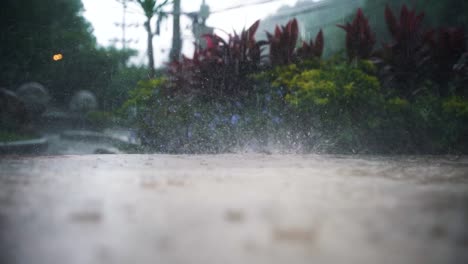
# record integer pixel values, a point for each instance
(161, 5)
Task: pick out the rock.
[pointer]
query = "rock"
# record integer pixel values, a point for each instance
(104, 151)
(83, 102)
(32, 146)
(35, 97)
(462, 64)
(13, 112)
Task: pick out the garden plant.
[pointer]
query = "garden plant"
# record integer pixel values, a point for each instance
(406, 95)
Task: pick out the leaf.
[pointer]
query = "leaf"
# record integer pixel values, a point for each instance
(293, 34)
(283, 43)
(210, 43)
(253, 29)
(360, 39)
(392, 23)
(319, 44)
(278, 32)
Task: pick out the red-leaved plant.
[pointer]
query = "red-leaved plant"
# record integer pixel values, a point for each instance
(446, 49)
(220, 69)
(283, 43)
(312, 49)
(407, 57)
(360, 39)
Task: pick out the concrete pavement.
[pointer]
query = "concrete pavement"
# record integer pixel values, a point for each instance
(233, 209)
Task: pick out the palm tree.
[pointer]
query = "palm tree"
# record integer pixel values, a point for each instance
(151, 8)
(176, 41)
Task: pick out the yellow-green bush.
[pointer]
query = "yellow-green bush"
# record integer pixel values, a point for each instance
(141, 96)
(342, 101)
(456, 106)
(397, 104)
(330, 86)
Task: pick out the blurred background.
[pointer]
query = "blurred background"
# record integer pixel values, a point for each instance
(76, 69)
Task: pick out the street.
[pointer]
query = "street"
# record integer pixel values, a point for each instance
(247, 208)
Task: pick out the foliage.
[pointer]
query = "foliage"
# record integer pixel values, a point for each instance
(187, 124)
(339, 100)
(456, 106)
(313, 17)
(360, 39)
(121, 84)
(407, 56)
(31, 32)
(446, 49)
(419, 59)
(221, 69)
(451, 13)
(8, 136)
(100, 119)
(432, 128)
(140, 98)
(346, 109)
(93, 69)
(409, 65)
(447, 13)
(151, 8)
(311, 50)
(455, 124)
(283, 43)
(230, 95)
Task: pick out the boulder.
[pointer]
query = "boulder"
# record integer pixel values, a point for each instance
(35, 97)
(103, 151)
(13, 112)
(83, 102)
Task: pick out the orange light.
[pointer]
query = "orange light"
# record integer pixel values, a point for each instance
(57, 57)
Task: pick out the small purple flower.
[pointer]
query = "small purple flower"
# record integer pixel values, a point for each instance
(133, 136)
(172, 109)
(216, 119)
(235, 119)
(189, 133)
(276, 120)
(212, 126)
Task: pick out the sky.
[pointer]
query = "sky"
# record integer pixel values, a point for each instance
(103, 14)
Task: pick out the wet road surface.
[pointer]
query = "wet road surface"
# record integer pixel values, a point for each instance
(233, 209)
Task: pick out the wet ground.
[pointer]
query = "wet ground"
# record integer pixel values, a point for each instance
(233, 209)
(84, 142)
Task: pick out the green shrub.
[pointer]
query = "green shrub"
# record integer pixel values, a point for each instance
(141, 96)
(428, 124)
(184, 123)
(100, 119)
(455, 123)
(341, 101)
(8, 136)
(456, 106)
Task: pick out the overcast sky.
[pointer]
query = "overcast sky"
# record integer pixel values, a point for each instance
(103, 14)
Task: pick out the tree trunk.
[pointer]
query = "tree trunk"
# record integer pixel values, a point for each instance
(152, 71)
(176, 40)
